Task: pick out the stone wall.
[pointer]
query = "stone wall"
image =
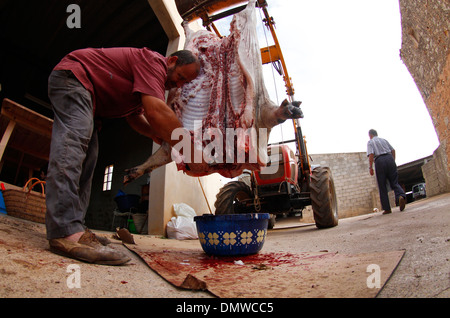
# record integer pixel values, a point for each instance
(426, 53)
(435, 181)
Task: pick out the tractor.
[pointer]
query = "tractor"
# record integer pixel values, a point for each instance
(282, 187)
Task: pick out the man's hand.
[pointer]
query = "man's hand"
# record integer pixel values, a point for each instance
(371, 160)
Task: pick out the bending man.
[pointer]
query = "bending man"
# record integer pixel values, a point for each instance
(90, 84)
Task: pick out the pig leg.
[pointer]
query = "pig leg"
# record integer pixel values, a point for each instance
(160, 158)
(288, 111)
(272, 115)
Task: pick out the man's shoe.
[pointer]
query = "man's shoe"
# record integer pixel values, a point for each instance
(387, 212)
(402, 203)
(88, 238)
(88, 249)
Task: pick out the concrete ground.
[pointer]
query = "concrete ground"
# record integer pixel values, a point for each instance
(29, 269)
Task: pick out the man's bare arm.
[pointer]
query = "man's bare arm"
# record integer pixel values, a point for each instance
(140, 124)
(161, 118)
(371, 159)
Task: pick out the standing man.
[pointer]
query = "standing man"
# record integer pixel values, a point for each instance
(383, 154)
(91, 84)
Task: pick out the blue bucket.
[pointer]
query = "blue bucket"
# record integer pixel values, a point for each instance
(232, 234)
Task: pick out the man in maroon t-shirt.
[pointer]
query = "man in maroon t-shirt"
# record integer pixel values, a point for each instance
(90, 84)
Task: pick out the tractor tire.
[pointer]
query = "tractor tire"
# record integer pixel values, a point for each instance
(230, 194)
(323, 198)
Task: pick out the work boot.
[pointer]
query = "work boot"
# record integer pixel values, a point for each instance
(402, 203)
(88, 249)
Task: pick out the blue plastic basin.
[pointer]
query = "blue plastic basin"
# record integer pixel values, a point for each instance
(232, 234)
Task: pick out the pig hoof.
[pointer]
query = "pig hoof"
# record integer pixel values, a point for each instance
(296, 111)
(130, 175)
(296, 103)
(291, 110)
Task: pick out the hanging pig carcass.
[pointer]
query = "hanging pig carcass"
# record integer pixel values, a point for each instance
(226, 109)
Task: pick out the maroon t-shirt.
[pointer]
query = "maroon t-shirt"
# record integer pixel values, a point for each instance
(116, 76)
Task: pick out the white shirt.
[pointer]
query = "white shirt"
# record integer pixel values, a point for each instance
(378, 146)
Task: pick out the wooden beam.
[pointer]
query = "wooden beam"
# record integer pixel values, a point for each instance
(6, 136)
(168, 17)
(27, 118)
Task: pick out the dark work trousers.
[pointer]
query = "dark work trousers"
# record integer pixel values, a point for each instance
(73, 155)
(386, 171)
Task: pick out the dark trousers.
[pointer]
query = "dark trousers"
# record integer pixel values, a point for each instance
(386, 171)
(73, 155)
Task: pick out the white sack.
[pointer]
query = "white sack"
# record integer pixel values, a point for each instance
(183, 226)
